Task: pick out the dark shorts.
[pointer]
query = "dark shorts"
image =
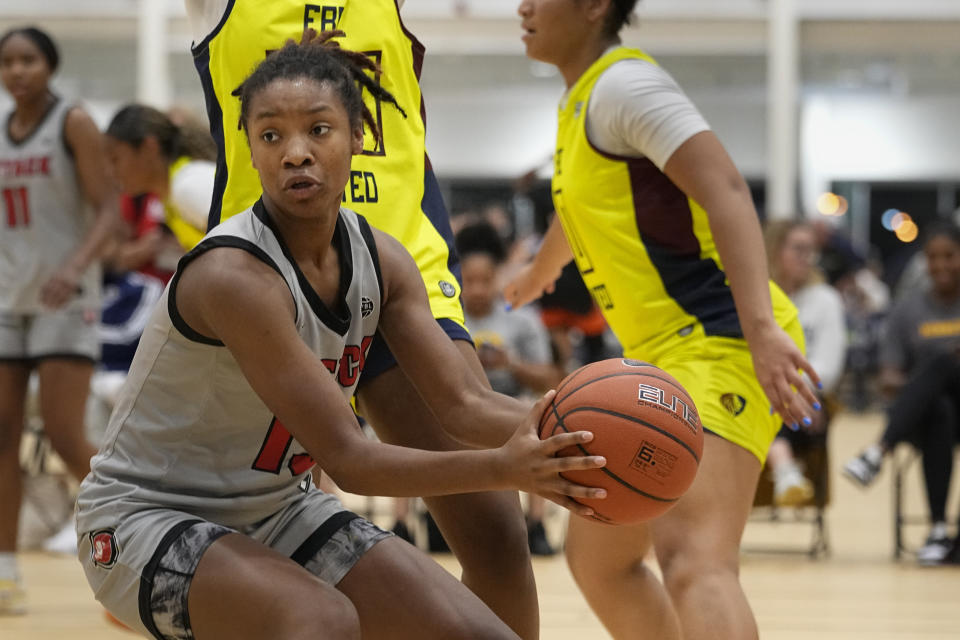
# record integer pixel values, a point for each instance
(380, 358)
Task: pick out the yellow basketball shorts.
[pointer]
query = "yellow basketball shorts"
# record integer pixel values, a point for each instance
(718, 374)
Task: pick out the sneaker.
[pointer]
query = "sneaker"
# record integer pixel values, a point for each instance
(862, 469)
(791, 488)
(13, 599)
(401, 531)
(64, 541)
(537, 540)
(935, 550)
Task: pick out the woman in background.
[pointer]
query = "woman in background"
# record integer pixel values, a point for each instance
(920, 371)
(152, 155)
(792, 251)
(52, 169)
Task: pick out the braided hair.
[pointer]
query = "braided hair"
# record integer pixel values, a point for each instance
(318, 58)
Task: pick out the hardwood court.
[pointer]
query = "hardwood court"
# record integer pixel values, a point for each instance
(857, 593)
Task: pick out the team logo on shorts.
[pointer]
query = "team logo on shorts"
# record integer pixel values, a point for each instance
(447, 289)
(733, 403)
(366, 306)
(103, 548)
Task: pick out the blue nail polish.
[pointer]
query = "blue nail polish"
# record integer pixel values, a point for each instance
(820, 386)
(508, 307)
(816, 405)
(771, 410)
(795, 426)
(807, 421)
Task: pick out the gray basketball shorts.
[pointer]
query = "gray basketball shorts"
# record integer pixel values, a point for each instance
(141, 570)
(51, 334)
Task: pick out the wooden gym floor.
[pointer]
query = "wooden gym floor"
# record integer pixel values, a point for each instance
(858, 592)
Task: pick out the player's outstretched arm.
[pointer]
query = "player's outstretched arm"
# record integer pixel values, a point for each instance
(702, 169)
(538, 277)
(229, 295)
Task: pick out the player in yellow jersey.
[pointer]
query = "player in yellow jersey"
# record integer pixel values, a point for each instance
(150, 154)
(392, 184)
(663, 230)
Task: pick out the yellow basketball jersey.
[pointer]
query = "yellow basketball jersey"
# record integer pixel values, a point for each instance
(187, 234)
(643, 247)
(391, 183)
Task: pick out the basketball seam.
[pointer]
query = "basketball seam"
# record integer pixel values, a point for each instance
(607, 471)
(639, 421)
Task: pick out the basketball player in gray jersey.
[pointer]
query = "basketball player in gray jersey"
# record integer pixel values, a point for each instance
(198, 519)
(56, 211)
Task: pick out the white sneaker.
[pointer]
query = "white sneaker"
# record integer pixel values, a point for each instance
(935, 550)
(13, 599)
(63, 541)
(791, 488)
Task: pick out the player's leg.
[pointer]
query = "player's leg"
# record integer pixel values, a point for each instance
(242, 589)
(607, 564)
(13, 392)
(64, 387)
(401, 593)
(698, 544)
(486, 531)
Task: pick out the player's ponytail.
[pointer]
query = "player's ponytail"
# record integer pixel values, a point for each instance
(134, 123)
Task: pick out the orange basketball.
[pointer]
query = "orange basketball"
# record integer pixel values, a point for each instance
(646, 426)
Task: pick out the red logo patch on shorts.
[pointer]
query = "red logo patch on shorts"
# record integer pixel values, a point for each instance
(103, 548)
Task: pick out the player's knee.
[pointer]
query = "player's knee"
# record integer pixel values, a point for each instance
(334, 617)
(703, 571)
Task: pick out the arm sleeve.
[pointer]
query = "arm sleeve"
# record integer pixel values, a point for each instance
(191, 192)
(637, 110)
(828, 348)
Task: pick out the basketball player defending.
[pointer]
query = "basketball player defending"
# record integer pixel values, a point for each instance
(663, 230)
(392, 184)
(198, 518)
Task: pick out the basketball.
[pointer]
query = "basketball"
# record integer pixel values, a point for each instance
(646, 426)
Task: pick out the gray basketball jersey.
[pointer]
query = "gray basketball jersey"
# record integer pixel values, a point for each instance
(42, 215)
(188, 431)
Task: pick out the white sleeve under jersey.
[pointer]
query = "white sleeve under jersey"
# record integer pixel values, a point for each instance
(204, 16)
(638, 110)
(191, 192)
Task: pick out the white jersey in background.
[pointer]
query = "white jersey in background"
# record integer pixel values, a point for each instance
(188, 432)
(42, 215)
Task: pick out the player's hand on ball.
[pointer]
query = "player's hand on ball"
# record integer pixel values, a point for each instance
(530, 463)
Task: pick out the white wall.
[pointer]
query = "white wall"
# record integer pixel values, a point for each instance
(878, 138)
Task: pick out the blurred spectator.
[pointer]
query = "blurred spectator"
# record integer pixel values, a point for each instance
(513, 346)
(792, 251)
(921, 372)
(866, 300)
(152, 155)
